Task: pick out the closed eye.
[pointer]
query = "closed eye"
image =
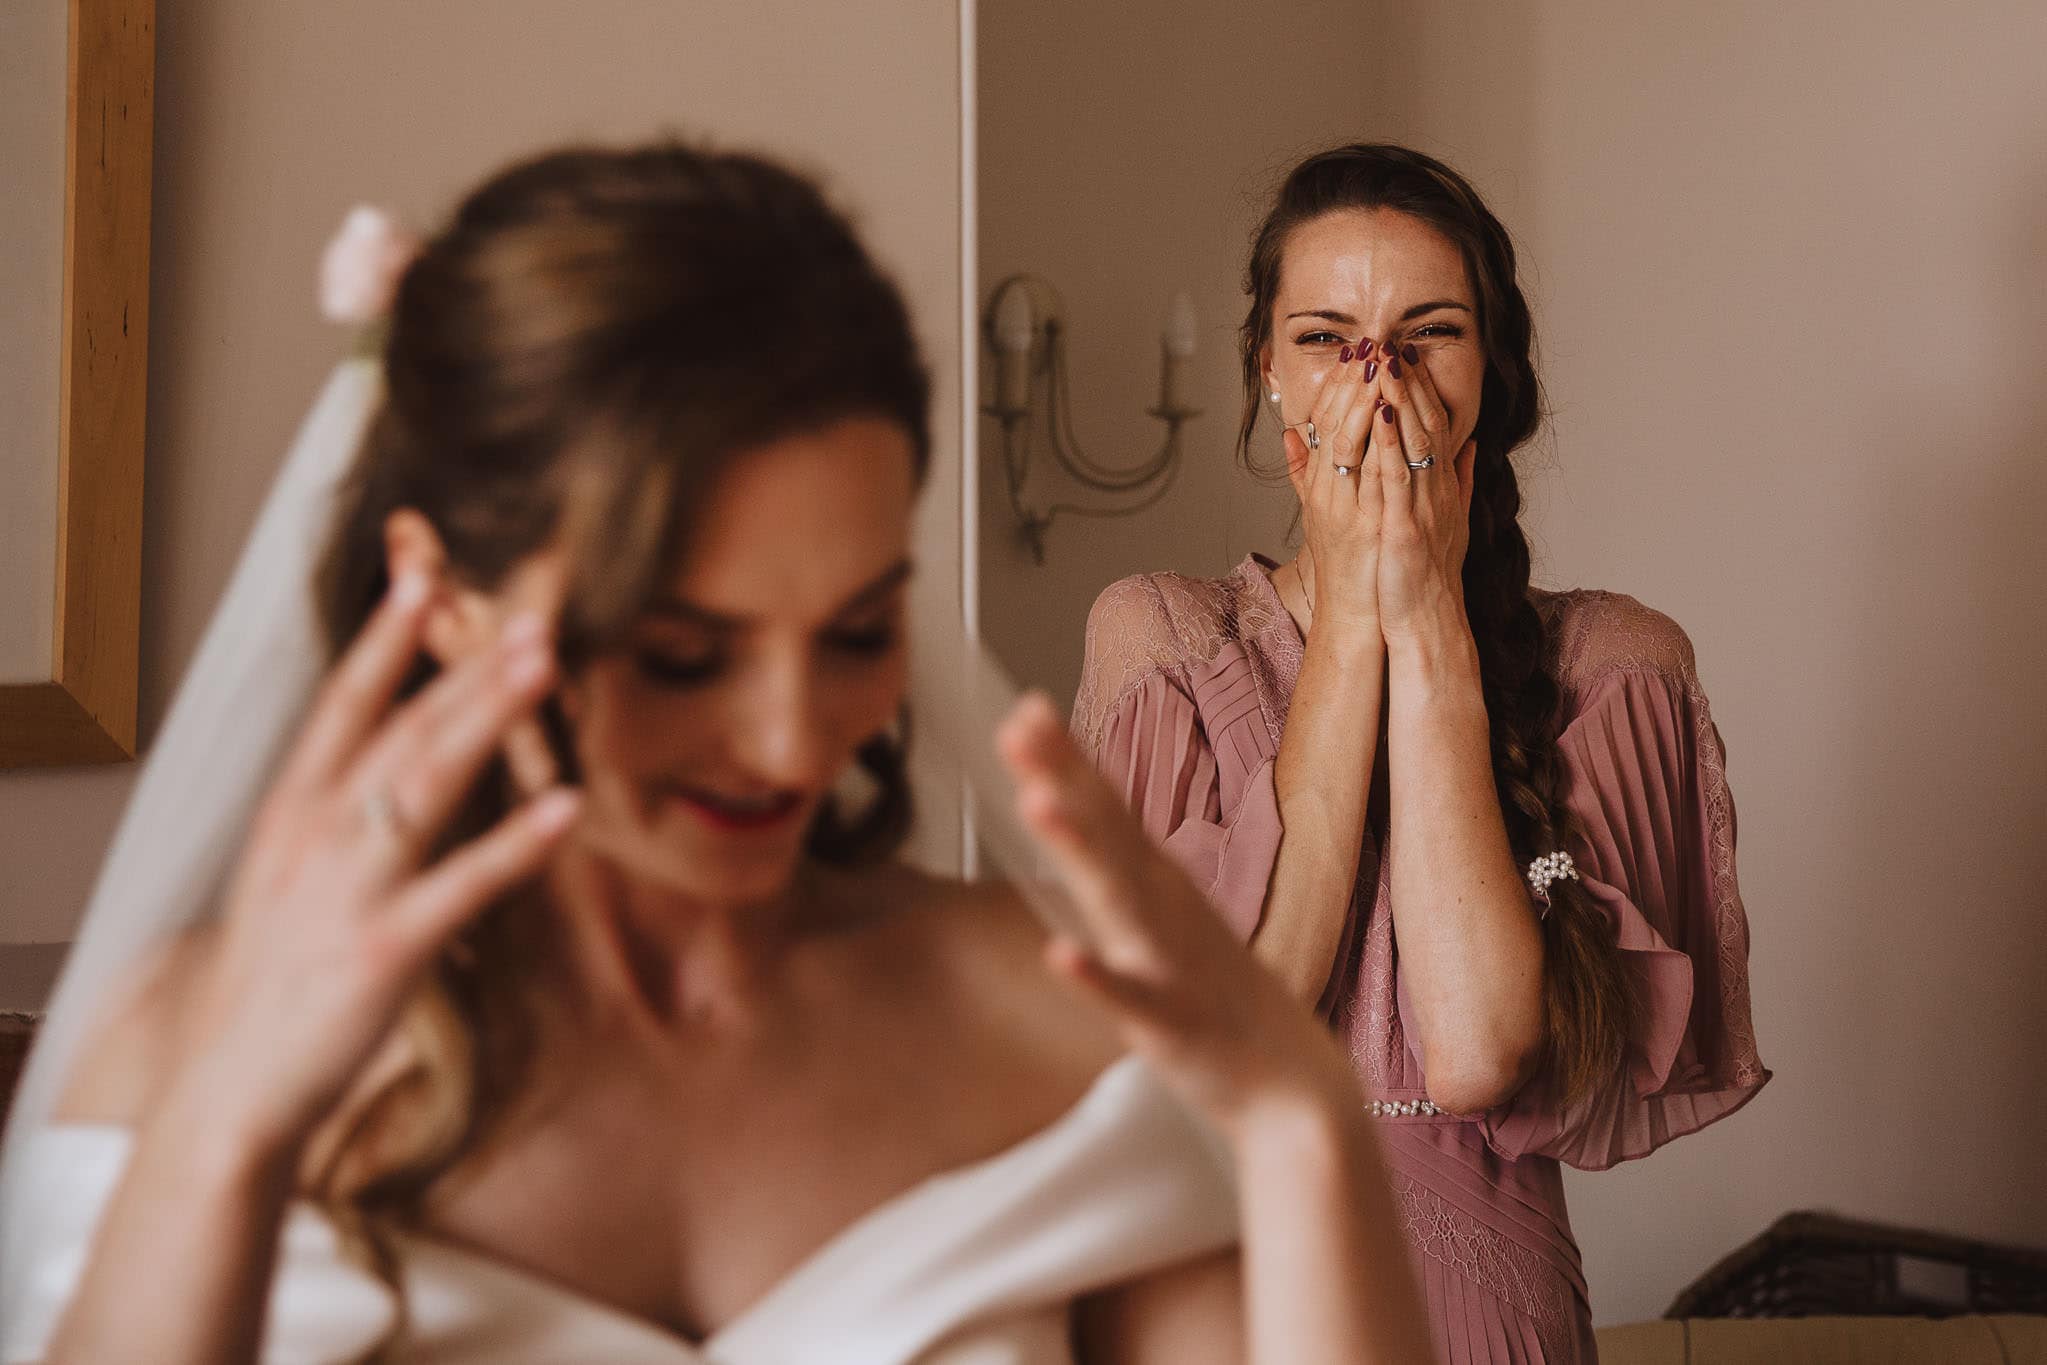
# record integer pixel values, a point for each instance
(863, 644)
(667, 670)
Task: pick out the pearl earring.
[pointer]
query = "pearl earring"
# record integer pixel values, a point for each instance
(1275, 395)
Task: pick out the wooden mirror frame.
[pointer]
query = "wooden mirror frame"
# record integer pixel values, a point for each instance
(85, 712)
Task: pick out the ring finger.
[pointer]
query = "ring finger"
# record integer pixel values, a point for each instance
(1353, 438)
(1389, 455)
(1339, 446)
(1417, 444)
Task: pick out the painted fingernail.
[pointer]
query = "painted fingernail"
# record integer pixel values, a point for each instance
(1365, 346)
(1410, 354)
(1386, 411)
(1393, 366)
(1344, 355)
(1371, 370)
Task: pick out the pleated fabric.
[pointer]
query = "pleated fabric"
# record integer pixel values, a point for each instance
(1182, 703)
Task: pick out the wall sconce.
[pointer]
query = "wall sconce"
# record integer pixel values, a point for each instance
(1024, 327)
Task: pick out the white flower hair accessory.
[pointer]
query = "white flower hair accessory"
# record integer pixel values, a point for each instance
(1551, 867)
(359, 271)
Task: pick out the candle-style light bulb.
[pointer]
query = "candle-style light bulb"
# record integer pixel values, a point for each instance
(1014, 323)
(1015, 327)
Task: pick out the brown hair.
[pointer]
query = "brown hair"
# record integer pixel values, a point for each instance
(1588, 1002)
(575, 359)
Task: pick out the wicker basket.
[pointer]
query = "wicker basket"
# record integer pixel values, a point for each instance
(1814, 1264)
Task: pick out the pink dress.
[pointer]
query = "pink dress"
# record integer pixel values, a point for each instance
(1182, 701)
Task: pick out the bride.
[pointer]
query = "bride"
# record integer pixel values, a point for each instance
(553, 1003)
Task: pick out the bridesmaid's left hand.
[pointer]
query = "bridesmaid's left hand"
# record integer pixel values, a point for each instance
(1221, 1029)
(1426, 521)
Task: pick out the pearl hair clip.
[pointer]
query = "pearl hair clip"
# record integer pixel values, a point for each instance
(1551, 867)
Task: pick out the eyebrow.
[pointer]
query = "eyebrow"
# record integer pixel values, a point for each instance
(890, 579)
(1346, 320)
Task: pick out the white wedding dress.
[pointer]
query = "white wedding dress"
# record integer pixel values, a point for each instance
(976, 1266)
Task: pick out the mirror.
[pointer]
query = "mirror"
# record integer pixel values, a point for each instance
(1787, 325)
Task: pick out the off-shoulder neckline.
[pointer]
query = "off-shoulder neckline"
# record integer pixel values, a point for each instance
(857, 1241)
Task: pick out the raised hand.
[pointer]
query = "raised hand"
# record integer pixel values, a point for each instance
(332, 913)
(1218, 1026)
(1426, 512)
(1340, 512)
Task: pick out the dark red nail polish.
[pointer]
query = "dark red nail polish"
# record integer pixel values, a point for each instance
(1365, 346)
(1371, 370)
(1387, 412)
(1411, 355)
(1344, 355)
(1393, 365)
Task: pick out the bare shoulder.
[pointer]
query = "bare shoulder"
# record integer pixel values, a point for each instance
(975, 951)
(978, 926)
(1593, 633)
(130, 1047)
(1188, 1314)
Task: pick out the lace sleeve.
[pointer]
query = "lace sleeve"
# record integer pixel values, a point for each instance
(1130, 636)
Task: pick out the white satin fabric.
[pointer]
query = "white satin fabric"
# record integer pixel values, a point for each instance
(977, 1266)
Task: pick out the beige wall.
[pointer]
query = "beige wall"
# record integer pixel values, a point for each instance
(1790, 272)
(32, 71)
(1123, 151)
(273, 118)
(1792, 284)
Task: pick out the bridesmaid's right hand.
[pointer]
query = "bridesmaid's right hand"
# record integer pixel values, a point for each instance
(1340, 513)
(331, 916)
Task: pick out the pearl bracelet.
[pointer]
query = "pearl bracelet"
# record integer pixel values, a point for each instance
(1394, 1109)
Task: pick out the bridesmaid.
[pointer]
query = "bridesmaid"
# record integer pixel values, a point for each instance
(1486, 826)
